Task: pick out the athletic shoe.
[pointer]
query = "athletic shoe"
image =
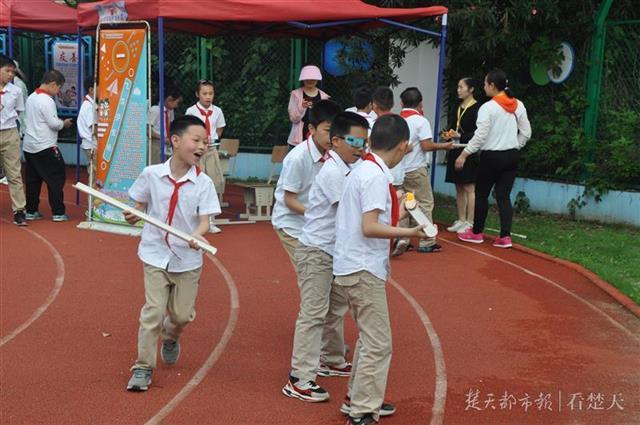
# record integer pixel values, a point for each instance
(457, 226)
(307, 391)
(19, 218)
(60, 217)
(469, 236)
(33, 216)
(365, 420)
(504, 242)
(387, 409)
(170, 352)
(431, 248)
(140, 380)
(400, 247)
(4, 180)
(328, 370)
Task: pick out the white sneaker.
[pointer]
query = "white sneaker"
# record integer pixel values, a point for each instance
(4, 180)
(465, 226)
(456, 226)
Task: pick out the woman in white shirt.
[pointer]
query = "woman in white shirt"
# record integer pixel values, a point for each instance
(502, 129)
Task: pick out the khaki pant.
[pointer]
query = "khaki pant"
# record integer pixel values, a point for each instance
(90, 154)
(165, 292)
(319, 333)
(10, 162)
(211, 166)
(418, 182)
(290, 244)
(367, 297)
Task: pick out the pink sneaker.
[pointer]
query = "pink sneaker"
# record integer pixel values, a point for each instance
(469, 236)
(503, 242)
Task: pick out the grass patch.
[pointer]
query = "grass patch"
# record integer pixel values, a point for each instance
(609, 250)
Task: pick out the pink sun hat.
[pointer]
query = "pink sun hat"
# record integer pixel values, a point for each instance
(310, 72)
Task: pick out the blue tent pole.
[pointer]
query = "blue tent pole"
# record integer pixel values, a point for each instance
(79, 100)
(436, 124)
(10, 41)
(161, 83)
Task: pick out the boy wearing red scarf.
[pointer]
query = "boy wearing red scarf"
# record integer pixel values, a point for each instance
(367, 214)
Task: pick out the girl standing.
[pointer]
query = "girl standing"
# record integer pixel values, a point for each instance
(502, 130)
(464, 179)
(301, 100)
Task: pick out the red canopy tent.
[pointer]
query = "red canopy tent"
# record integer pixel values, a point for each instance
(273, 18)
(38, 15)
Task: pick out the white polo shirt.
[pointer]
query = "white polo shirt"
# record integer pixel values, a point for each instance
(319, 228)
(12, 102)
(419, 129)
(299, 169)
(86, 119)
(195, 198)
(216, 119)
(366, 189)
(42, 123)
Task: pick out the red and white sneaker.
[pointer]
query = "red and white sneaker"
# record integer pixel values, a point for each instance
(469, 236)
(387, 409)
(306, 391)
(328, 370)
(504, 242)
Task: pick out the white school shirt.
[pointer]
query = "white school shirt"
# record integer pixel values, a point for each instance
(12, 103)
(319, 228)
(299, 169)
(499, 130)
(366, 189)
(195, 198)
(216, 119)
(42, 123)
(154, 118)
(419, 129)
(87, 118)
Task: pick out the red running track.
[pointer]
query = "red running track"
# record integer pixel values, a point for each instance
(464, 324)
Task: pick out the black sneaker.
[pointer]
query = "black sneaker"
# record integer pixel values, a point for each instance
(20, 219)
(428, 249)
(387, 409)
(364, 420)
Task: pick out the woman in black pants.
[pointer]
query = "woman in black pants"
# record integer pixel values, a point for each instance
(502, 130)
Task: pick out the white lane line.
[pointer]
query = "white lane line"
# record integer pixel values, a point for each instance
(215, 354)
(52, 295)
(552, 283)
(440, 393)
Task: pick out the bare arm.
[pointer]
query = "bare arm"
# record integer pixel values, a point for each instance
(427, 145)
(372, 228)
(292, 202)
(132, 219)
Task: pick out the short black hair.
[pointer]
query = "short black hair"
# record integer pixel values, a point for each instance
(172, 91)
(411, 97)
(388, 131)
(342, 123)
(7, 61)
(53, 76)
(182, 123)
(205, 83)
(324, 110)
(88, 83)
(383, 97)
(362, 96)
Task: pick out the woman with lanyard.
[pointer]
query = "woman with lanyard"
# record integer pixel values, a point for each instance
(464, 179)
(301, 100)
(502, 130)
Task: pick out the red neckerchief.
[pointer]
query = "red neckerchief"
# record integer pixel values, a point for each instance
(173, 203)
(42, 91)
(509, 104)
(206, 114)
(406, 113)
(395, 204)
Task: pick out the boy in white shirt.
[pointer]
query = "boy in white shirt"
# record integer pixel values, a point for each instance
(44, 162)
(87, 119)
(213, 118)
(363, 104)
(382, 105)
(171, 102)
(11, 104)
(319, 329)
(415, 163)
(368, 212)
(299, 168)
(182, 196)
